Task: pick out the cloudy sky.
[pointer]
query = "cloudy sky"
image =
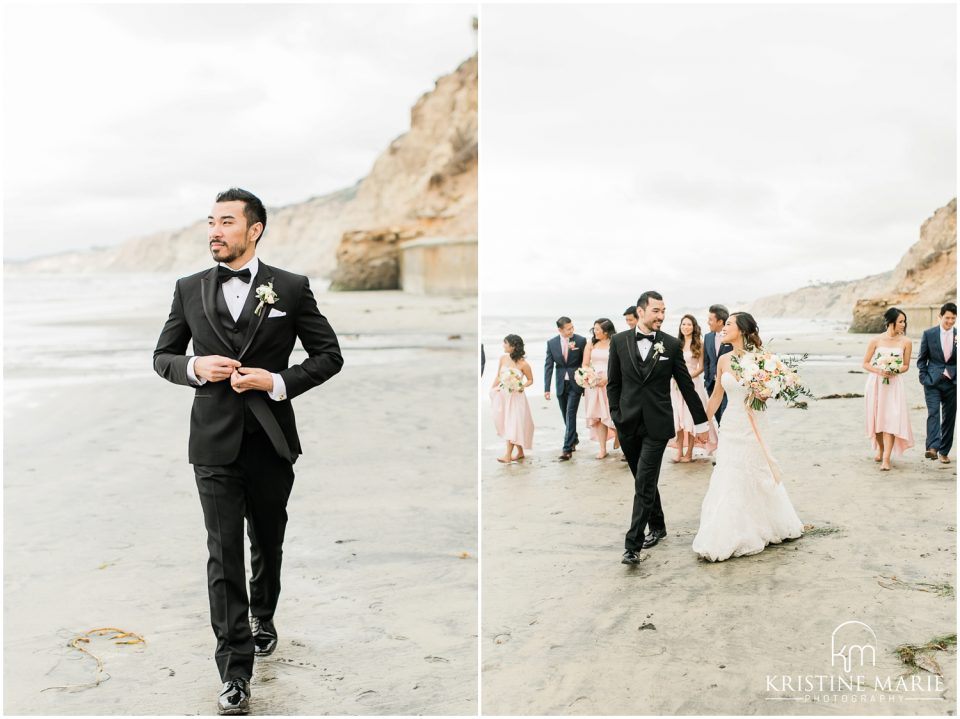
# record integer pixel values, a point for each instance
(711, 152)
(120, 120)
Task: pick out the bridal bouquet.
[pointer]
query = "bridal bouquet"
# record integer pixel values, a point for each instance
(888, 362)
(511, 380)
(586, 376)
(768, 376)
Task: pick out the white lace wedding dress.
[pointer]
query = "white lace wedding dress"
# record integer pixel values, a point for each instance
(744, 509)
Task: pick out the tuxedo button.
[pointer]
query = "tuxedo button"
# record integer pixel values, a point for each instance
(236, 330)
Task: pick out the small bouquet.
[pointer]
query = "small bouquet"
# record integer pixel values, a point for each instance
(586, 376)
(768, 376)
(888, 362)
(511, 380)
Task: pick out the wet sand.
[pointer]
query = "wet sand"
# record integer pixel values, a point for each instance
(567, 629)
(103, 528)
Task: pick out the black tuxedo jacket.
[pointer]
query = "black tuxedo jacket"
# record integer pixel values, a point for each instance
(555, 358)
(710, 359)
(639, 392)
(930, 360)
(219, 412)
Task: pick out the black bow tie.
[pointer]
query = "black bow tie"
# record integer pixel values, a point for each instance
(225, 273)
(641, 336)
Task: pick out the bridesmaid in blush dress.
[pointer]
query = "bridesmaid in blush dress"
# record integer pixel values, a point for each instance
(597, 406)
(691, 343)
(511, 410)
(887, 418)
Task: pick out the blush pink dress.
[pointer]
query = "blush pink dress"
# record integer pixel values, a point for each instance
(887, 410)
(511, 414)
(597, 404)
(682, 419)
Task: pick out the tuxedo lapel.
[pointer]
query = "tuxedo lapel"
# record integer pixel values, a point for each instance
(264, 276)
(209, 286)
(634, 352)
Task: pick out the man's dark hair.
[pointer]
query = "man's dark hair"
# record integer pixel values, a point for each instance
(631, 311)
(253, 209)
(563, 322)
(720, 312)
(949, 307)
(646, 297)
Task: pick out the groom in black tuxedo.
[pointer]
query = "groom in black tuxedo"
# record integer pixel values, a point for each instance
(243, 318)
(641, 363)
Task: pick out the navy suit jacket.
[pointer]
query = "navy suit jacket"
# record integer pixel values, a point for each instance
(710, 358)
(555, 358)
(930, 360)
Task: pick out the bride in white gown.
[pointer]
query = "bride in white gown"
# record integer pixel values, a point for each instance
(746, 506)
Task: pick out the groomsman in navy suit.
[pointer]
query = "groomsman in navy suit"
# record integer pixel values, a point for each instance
(937, 363)
(714, 350)
(565, 353)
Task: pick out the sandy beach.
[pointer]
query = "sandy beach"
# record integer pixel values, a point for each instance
(103, 526)
(567, 629)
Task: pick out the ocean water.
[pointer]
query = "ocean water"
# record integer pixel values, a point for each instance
(536, 330)
(62, 330)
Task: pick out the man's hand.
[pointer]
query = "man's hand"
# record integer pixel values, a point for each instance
(546, 395)
(703, 437)
(214, 368)
(244, 378)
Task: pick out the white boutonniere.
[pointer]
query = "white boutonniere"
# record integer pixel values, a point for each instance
(658, 348)
(266, 295)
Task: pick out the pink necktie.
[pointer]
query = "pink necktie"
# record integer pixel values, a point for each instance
(947, 346)
(563, 344)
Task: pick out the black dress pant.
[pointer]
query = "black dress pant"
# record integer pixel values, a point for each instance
(255, 488)
(644, 456)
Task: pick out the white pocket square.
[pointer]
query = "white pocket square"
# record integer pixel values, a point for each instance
(276, 313)
(664, 359)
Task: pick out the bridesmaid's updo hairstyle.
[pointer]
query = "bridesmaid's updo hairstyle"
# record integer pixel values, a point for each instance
(607, 327)
(516, 347)
(749, 329)
(891, 316)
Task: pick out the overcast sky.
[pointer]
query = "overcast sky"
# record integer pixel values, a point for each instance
(121, 120)
(711, 152)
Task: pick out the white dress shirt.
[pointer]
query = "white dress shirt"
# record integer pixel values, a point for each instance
(235, 293)
(644, 345)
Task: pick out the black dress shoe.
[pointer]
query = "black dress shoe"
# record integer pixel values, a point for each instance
(655, 536)
(234, 697)
(630, 557)
(264, 636)
(565, 456)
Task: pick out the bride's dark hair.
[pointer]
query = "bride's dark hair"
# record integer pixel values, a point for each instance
(516, 347)
(749, 329)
